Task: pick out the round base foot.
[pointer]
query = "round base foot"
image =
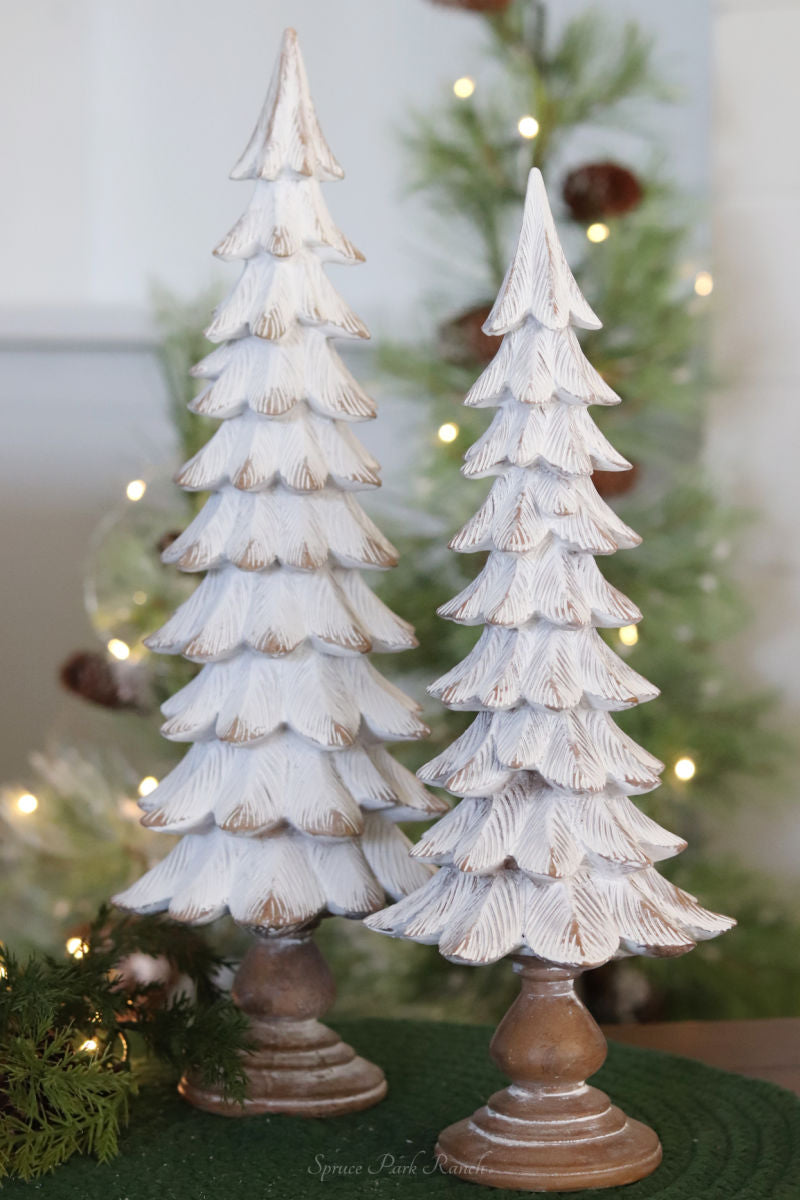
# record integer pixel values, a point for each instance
(300, 1067)
(548, 1144)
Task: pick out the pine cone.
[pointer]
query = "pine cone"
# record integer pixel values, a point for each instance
(166, 539)
(462, 340)
(151, 983)
(600, 190)
(615, 483)
(92, 677)
(479, 6)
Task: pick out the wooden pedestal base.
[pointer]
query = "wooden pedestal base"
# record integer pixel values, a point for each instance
(549, 1131)
(297, 1065)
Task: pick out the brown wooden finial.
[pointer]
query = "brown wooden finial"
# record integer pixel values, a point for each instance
(548, 1131)
(297, 1065)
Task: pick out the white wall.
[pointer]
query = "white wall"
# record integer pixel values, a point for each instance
(123, 117)
(755, 429)
(120, 121)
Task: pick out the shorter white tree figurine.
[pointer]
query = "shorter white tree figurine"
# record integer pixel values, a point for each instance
(545, 859)
(287, 801)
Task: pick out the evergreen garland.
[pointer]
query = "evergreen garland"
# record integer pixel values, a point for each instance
(73, 1034)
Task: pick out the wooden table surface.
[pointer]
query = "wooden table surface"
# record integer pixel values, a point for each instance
(765, 1049)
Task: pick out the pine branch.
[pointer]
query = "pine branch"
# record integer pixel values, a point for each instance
(65, 1068)
(181, 345)
(461, 160)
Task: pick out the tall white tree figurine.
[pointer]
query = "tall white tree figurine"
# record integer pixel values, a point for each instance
(546, 858)
(287, 800)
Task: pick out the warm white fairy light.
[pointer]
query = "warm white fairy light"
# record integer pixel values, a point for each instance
(139, 597)
(90, 1045)
(703, 283)
(119, 649)
(148, 785)
(628, 635)
(598, 231)
(27, 803)
(136, 489)
(685, 769)
(464, 87)
(447, 432)
(528, 127)
(76, 947)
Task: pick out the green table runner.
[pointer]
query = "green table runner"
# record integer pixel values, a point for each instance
(725, 1137)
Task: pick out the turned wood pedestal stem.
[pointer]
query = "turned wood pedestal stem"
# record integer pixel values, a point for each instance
(548, 1131)
(297, 1064)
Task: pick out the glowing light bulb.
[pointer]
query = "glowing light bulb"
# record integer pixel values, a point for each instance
(119, 649)
(447, 432)
(89, 1045)
(528, 127)
(628, 635)
(464, 87)
(27, 803)
(139, 597)
(136, 489)
(76, 947)
(148, 785)
(703, 283)
(598, 232)
(685, 769)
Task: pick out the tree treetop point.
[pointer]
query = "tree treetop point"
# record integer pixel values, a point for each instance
(287, 137)
(539, 282)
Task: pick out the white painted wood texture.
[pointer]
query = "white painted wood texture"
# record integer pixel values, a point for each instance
(287, 800)
(546, 855)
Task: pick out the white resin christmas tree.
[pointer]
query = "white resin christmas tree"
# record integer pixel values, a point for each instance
(546, 858)
(287, 801)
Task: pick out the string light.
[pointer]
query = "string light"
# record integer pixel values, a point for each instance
(27, 803)
(447, 432)
(136, 489)
(89, 1045)
(528, 127)
(119, 649)
(464, 87)
(684, 769)
(76, 947)
(628, 635)
(148, 785)
(703, 283)
(139, 597)
(130, 810)
(598, 232)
